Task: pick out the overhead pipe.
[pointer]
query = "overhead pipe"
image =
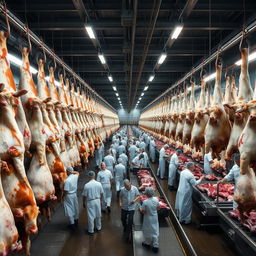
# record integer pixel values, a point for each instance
(34, 38)
(146, 47)
(135, 8)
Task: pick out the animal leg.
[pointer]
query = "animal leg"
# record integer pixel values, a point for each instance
(40, 150)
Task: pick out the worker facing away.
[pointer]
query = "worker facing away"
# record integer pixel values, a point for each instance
(150, 226)
(109, 160)
(105, 177)
(120, 175)
(70, 197)
(99, 154)
(183, 203)
(173, 166)
(152, 150)
(162, 158)
(92, 195)
(233, 175)
(129, 194)
(132, 151)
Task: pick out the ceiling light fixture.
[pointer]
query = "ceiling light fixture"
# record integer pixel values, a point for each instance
(210, 77)
(117, 94)
(250, 58)
(139, 98)
(177, 31)
(90, 32)
(102, 58)
(162, 58)
(146, 87)
(110, 78)
(114, 88)
(142, 94)
(151, 78)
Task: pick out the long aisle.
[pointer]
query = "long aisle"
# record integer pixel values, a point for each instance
(108, 242)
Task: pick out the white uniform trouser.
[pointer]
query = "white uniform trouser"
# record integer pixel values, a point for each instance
(172, 174)
(71, 207)
(153, 240)
(94, 213)
(107, 195)
(119, 183)
(161, 167)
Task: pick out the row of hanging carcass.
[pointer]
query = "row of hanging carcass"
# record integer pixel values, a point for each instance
(224, 124)
(43, 129)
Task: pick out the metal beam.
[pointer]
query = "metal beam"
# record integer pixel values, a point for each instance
(188, 8)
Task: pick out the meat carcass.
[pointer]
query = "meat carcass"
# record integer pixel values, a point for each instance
(245, 94)
(218, 127)
(201, 118)
(15, 183)
(190, 115)
(8, 231)
(39, 174)
(174, 117)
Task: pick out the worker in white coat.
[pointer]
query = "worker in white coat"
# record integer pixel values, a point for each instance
(142, 144)
(146, 139)
(132, 151)
(233, 175)
(120, 175)
(124, 158)
(137, 162)
(109, 161)
(145, 158)
(105, 177)
(150, 226)
(207, 162)
(70, 197)
(183, 203)
(99, 154)
(92, 195)
(152, 150)
(162, 158)
(121, 149)
(173, 166)
(113, 151)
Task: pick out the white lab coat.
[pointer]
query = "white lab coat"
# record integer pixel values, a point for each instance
(105, 177)
(132, 152)
(207, 166)
(120, 173)
(145, 160)
(150, 226)
(109, 161)
(136, 160)
(70, 202)
(152, 150)
(233, 175)
(184, 195)
(93, 191)
(124, 158)
(114, 153)
(161, 166)
(99, 155)
(142, 145)
(121, 149)
(173, 165)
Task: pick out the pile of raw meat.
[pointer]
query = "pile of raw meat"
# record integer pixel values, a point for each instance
(162, 203)
(249, 220)
(226, 191)
(145, 180)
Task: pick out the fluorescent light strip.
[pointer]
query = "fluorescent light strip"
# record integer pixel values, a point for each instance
(110, 78)
(18, 62)
(177, 31)
(114, 88)
(117, 94)
(139, 98)
(210, 77)
(162, 58)
(142, 94)
(250, 58)
(146, 87)
(151, 78)
(90, 32)
(102, 58)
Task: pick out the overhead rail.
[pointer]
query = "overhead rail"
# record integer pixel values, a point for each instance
(34, 38)
(231, 42)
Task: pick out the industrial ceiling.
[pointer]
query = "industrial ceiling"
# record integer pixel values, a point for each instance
(132, 35)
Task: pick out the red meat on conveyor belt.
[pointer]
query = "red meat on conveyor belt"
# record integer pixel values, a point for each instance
(212, 177)
(162, 203)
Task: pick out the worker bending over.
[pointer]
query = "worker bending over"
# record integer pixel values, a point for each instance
(173, 166)
(162, 158)
(92, 195)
